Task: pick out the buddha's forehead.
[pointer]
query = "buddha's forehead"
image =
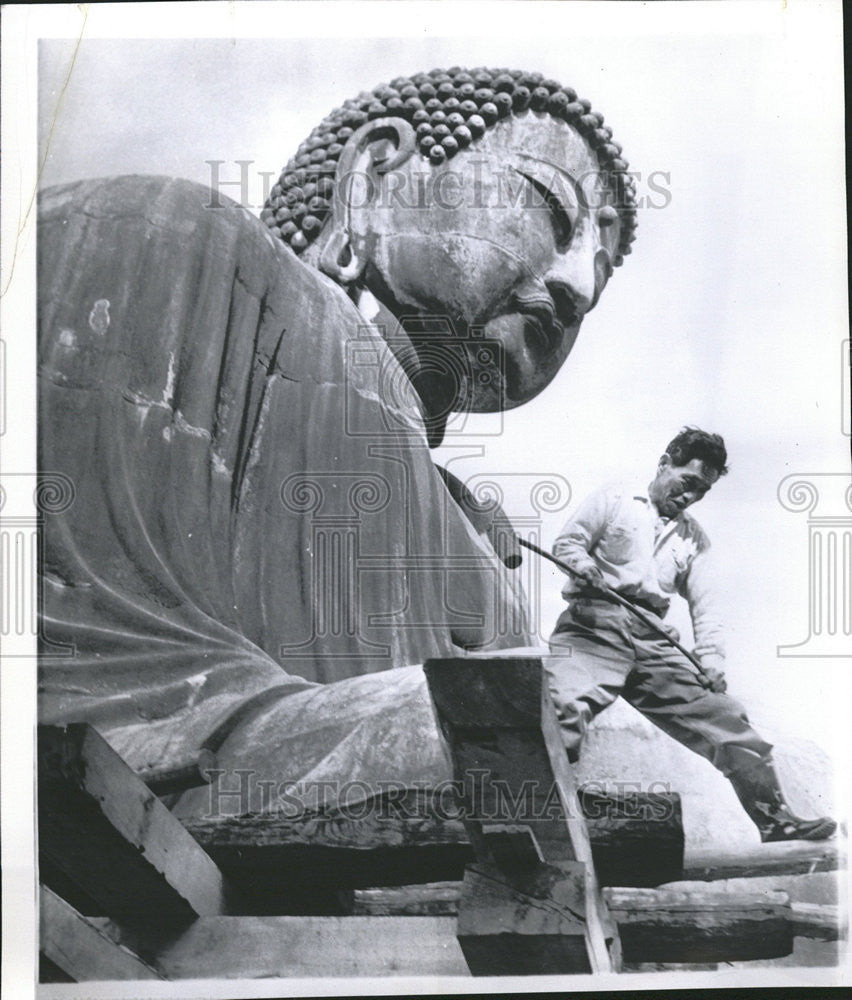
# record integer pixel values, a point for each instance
(539, 139)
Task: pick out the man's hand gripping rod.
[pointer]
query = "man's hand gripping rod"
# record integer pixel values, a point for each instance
(615, 596)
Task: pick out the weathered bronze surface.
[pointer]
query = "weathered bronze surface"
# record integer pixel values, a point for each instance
(246, 418)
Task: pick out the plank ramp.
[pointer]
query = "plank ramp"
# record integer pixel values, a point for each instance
(83, 948)
(102, 830)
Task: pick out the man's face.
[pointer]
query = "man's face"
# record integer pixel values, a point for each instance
(676, 487)
(511, 241)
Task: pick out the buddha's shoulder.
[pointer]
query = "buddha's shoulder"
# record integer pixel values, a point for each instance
(193, 222)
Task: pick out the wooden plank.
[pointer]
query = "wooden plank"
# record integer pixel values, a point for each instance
(49, 972)
(282, 863)
(502, 767)
(83, 949)
(396, 819)
(533, 922)
(489, 693)
(602, 934)
(231, 947)
(658, 925)
(191, 774)
(108, 833)
(436, 899)
(508, 756)
(795, 857)
(637, 840)
(686, 928)
(819, 922)
(816, 921)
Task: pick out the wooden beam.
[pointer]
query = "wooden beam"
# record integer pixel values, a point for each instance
(437, 899)
(658, 925)
(281, 864)
(110, 835)
(509, 759)
(819, 922)
(636, 839)
(490, 712)
(795, 857)
(271, 947)
(664, 929)
(811, 920)
(671, 927)
(191, 774)
(83, 949)
(487, 693)
(532, 923)
(602, 935)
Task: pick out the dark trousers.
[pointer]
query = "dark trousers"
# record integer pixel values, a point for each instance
(600, 651)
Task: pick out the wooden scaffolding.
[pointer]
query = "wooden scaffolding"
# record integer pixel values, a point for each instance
(546, 878)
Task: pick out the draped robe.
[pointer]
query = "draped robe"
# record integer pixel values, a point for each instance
(253, 504)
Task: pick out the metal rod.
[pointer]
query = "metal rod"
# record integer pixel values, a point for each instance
(613, 595)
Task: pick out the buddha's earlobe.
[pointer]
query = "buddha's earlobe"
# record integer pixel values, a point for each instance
(338, 259)
(372, 150)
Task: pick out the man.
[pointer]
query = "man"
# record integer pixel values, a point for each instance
(246, 407)
(641, 543)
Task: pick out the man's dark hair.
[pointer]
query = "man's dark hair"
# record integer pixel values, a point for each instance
(694, 443)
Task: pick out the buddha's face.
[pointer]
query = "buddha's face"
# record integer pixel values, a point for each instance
(510, 243)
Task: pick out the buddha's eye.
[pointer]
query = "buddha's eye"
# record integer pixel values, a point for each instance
(563, 224)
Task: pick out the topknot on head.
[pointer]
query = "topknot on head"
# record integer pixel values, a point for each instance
(448, 110)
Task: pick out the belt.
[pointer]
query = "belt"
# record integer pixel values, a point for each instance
(596, 595)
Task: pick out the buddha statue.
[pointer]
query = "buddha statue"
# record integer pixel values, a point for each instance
(260, 551)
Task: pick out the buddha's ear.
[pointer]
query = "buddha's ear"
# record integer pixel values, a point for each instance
(372, 150)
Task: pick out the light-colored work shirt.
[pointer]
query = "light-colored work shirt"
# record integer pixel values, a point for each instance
(644, 557)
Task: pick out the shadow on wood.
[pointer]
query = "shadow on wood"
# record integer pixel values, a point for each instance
(530, 923)
(104, 833)
(659, 925)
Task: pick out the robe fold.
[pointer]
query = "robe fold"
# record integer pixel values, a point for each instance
(254, 504)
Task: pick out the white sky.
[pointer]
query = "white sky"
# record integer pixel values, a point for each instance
(730, 314)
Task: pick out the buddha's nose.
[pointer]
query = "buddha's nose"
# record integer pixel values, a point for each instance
(572, 279)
